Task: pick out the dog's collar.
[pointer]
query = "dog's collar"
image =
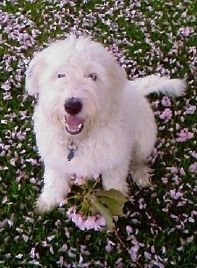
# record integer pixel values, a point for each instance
(72, 148)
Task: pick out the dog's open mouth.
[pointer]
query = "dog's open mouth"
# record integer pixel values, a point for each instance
(74, 124)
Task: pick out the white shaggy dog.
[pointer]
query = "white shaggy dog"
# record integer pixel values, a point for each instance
(89, 118)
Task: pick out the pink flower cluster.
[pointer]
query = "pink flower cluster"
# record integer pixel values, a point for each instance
(96, 222)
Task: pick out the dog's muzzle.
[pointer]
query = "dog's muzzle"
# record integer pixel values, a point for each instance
(74, 122)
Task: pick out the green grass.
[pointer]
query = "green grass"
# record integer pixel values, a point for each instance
(147, 36)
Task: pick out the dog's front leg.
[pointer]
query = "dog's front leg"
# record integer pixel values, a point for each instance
(116, 178)
(56, 187)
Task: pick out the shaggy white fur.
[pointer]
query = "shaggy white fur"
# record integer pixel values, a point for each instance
(89, 118)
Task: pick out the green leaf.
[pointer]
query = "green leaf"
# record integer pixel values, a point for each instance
(93, 209)
(112, 193)
(114, 206)
(104, 211)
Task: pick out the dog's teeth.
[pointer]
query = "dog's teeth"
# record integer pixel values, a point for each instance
(74, 130)
(79, 126)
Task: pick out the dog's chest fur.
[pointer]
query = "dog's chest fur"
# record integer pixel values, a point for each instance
(93, 154)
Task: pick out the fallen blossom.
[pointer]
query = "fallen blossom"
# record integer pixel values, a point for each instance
(166, 101)
(184, 135)
(166, 114)
(90, 207)
(186, 31)
(193, 167)
(175, 194)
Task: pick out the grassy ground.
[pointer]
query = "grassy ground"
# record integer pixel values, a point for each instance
(159, 227)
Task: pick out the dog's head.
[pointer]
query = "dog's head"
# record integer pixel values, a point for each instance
(78, 83)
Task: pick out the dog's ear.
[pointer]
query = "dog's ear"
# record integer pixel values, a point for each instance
(33, 73)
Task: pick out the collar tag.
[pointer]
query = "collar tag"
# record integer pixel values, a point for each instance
(72, 149)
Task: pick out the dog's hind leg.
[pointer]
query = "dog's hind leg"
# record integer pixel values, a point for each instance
(141, 173)
(143, 147)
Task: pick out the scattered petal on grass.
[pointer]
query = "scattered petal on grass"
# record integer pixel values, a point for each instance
(166, 114)
(193, 168)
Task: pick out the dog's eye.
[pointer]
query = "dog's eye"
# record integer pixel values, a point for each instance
(93, 76)
(60, 75)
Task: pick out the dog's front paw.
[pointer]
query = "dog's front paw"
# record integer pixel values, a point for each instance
(122, 187)
(51, 197)
(43, 204)
(46, 203)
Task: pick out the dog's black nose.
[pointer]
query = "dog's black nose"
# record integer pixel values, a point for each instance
(73, 106)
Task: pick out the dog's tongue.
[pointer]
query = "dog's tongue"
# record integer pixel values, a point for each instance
(74, 124)
(73, 121)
